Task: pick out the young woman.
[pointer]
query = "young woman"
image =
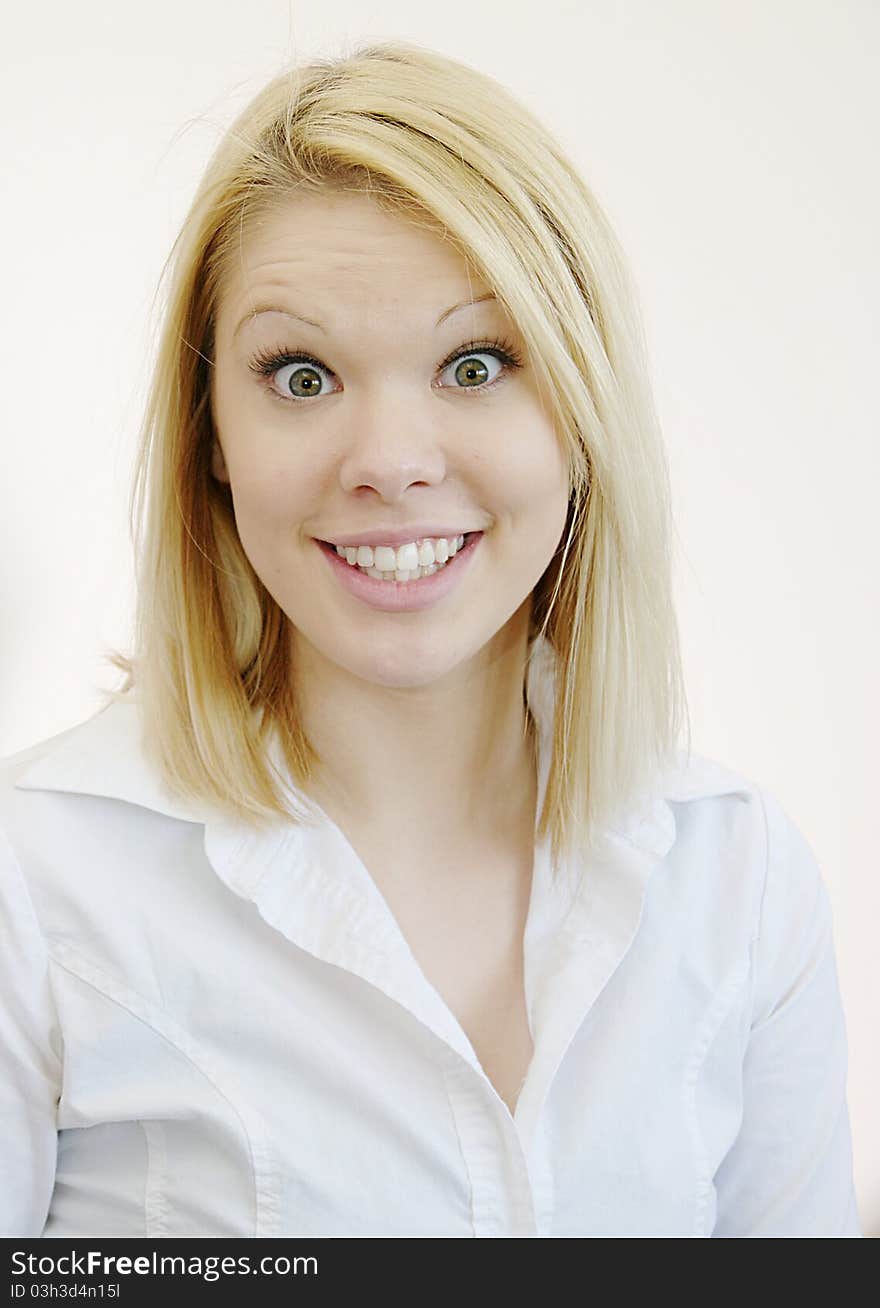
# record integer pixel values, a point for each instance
(383, 899)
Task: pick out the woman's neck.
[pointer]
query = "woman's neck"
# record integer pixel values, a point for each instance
(456, 757)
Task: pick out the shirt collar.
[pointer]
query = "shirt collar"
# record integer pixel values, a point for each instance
(571, 942)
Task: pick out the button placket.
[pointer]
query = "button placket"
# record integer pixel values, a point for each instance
(541, 1172)
(502, 1203)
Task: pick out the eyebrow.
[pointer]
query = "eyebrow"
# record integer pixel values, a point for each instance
(274, 308)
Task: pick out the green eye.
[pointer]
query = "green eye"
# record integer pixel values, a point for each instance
(296, 376)
(302, 382)
(471, 371)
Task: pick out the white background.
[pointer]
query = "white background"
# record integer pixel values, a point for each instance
(733, 143)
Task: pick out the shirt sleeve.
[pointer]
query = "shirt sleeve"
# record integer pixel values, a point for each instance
(789, 1171)
(30, 1066)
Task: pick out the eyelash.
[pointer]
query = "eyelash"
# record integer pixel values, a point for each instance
(267, 362)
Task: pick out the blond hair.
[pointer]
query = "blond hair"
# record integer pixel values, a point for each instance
(445, 145)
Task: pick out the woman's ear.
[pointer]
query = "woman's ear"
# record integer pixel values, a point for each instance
(218, 462)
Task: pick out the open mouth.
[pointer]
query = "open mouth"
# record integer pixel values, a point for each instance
(407, 576)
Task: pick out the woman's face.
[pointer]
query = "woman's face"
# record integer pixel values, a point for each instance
(400, 425)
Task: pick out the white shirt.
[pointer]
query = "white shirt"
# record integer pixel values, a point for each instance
(208, 1031)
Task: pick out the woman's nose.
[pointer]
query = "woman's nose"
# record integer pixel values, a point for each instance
(391, 442)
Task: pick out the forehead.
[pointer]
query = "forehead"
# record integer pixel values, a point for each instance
(343, 252)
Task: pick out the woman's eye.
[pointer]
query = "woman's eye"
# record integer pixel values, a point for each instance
(296, 377)
(470, 371)
(300, 380)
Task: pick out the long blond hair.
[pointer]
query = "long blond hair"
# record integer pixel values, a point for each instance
(446, 145)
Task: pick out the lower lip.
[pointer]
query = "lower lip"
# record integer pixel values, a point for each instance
(402, 596)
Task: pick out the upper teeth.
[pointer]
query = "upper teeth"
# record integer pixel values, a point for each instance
(415, 554)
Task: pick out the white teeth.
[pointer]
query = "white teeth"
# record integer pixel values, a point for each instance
(410, 559)
(403, 559)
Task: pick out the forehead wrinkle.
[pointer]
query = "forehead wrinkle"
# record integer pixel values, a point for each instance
(368, 326)
(275, 297)
(346, 263)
